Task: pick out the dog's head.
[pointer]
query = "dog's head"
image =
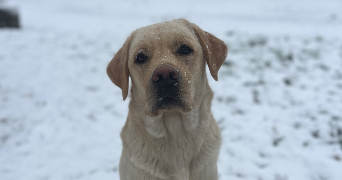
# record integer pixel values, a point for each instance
(166, 63)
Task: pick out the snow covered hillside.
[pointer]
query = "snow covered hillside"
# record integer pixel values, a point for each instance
(278, 100)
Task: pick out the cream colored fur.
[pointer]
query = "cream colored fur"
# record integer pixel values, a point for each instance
(177, 144)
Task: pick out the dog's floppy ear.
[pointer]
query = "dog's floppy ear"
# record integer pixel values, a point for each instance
(117, 69)
(214, 50)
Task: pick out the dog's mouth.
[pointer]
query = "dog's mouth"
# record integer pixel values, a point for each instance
(166, 95)
(167, 91)
(167, 98)
(168, 103)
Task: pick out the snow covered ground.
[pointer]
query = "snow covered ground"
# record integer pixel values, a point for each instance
(278, 100)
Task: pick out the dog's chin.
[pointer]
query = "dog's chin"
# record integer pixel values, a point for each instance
(165, 104)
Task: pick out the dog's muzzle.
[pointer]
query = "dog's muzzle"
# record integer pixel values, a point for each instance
(166, 86)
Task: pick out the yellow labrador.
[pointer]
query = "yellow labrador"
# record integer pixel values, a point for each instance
(170, 132)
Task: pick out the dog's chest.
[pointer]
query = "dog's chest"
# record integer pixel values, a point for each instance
(171, 151)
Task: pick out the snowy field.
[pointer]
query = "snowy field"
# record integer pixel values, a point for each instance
(278, 100)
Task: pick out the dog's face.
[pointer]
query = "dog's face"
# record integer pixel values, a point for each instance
(166, 63)
(163, 61)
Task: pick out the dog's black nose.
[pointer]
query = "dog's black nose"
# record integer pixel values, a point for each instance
(166, 87)
(165, 74)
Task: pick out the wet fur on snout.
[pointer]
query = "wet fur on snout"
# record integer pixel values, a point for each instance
(170, 132)
(167, 96)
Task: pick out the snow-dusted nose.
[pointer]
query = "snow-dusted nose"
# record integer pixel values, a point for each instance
(166, 74)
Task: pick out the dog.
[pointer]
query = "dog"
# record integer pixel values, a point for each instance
(170, 132)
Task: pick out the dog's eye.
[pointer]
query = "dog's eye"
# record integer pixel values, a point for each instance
(184, 50)
(141, 58)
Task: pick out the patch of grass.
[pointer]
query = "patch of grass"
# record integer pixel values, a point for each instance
(315, 134)
(276, 141)
(284, 57)
(287, 81)
(257, 41)
(310, 54)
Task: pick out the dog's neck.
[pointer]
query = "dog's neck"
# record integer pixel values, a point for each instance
(173, 124)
